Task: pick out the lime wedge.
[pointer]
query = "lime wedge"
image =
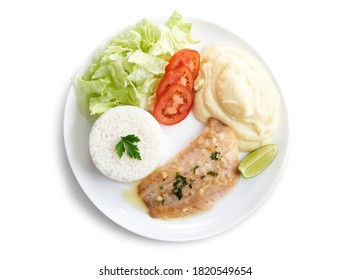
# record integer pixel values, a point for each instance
(258, 160)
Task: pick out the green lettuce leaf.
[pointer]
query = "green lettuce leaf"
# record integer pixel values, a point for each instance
(128, 70)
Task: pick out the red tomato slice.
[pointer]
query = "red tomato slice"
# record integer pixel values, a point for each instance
(180, 75)
(173, 105)
(187, 57)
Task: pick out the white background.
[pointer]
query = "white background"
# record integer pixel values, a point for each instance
(50, 229)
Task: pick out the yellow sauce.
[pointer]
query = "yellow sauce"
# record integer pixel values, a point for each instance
(131, 196)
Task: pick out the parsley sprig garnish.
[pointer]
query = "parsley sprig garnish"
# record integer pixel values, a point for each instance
(126, 144)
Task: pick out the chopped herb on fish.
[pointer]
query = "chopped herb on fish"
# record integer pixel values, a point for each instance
(178, 185)
(177, 191)
(212, 173)
(216, 156)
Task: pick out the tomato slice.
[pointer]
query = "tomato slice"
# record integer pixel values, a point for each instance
(189, 58)
(173, 105)
(180, 75)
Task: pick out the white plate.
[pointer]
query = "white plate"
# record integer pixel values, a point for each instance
(120, 203)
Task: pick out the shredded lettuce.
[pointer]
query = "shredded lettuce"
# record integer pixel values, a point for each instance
(129, 69)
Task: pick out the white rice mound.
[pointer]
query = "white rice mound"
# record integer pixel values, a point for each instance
(107, 132)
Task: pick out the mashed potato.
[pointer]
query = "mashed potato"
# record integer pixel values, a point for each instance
(238, 91)
(107, 132)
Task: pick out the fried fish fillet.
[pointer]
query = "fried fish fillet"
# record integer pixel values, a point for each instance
(196, 178)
